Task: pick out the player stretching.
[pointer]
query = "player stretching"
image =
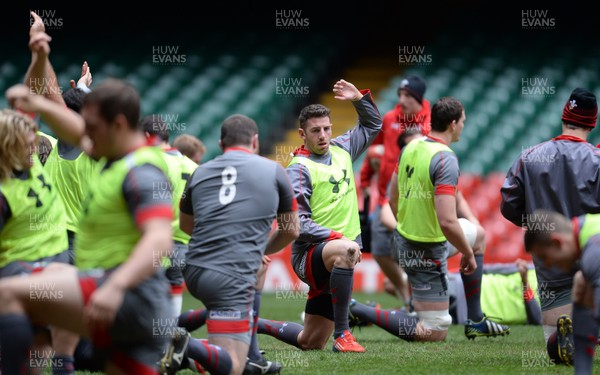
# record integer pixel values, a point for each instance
(329, 245)
(558, 242)
(123, 223)
(412, 114)
(424, 200)
(228, 208)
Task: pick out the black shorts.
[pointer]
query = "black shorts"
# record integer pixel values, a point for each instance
(311, 269)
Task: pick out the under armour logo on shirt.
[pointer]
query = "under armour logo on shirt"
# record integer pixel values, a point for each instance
(336, 183)
(572, 104)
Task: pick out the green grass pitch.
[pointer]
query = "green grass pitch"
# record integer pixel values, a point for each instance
(521, 352)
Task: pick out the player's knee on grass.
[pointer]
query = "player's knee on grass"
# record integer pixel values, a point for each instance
(313, 342)
(433, 325)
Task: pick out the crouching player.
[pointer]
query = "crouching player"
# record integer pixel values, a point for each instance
(557, 241)
(122, 226)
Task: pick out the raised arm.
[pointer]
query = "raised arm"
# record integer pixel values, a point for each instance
(356, 140)
(40, 76)
(65, 123)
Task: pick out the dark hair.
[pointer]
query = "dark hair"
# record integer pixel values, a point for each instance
(409, 132)
(154, 125)
(238, 130)
(312, 111)
(541, 224)
(74, 98)
(113, 97)
(444, 111)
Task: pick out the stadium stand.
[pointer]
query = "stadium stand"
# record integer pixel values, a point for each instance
(205, 83)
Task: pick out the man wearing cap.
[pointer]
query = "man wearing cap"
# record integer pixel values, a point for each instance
(412, 111)
(561, 175)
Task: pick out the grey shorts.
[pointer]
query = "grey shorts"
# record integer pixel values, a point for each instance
(228, 300)
(142, 327)
(381, 238)
(426, 266)
(177, 259)
(553, 297)
(26, 268)
(554, 285)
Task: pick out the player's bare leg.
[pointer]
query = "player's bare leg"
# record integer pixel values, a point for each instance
(316, 333)
(237, 350)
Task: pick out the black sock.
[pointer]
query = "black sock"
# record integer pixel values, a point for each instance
(340, 284)
(585, 333)
(191, 320)
(16, 336)
(63, 365)
(254, 352)
(397, 322)
(472, 286)
(212, 357)
(285, 331)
